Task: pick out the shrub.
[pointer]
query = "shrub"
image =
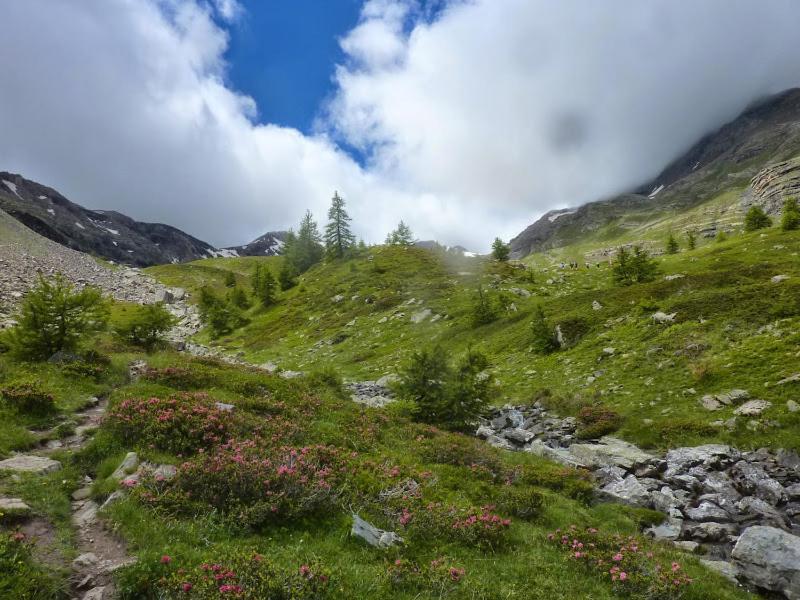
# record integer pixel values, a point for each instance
(230, 279)
(521, 502)
(629, 268)
(544, 339)
(242, 574)
(55, 317)
(28, 396)
(790, 220)
(570, 331)
(439, 577)
(484, 309)
(570, 482)
(20, 575)
(220, 315)
(182, 378)
(447, 395)
(180, 424)
(471, 527)
(460, 450)
(633, 569)
(595, 421)
(756, 219)
(264, 285)
(238, 298)
(255, 486)
(145, 325)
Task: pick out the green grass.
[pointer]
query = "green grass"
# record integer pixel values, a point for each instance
(734, 329)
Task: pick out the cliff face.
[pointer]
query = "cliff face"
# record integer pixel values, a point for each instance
(773, 184)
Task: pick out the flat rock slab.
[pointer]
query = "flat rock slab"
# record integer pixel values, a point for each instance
(15, 507)
(28, 463)
(610, 452)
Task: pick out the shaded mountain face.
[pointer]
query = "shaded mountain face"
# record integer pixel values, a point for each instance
(106, 234)
(269, 244)
(766, 133)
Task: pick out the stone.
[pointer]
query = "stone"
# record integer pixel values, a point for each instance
(421, 316)
(28, 463)
(87, 559)
(96, 593)
(609, 474)
(165, 472)
(596, 305)
(792, 406)
(680, 460)
(724, 568)
(769, 558)
(14, 507)
(710, 402)
(559, 455)
(752, 407)
(628, 491)
(779, 278)
(224, 407)
(733, 397)
(663, 318)
(115, 496)
(372, 535)
(82, 493)
(520, 436)
(750, 478)
(791, 379)
(610, 451)
(508, 418)
(686, 545)
(497, 442)
(718, 482)
(670, 529)
(609, 351)
(337, 298)
(126, 467)
(710, 532)
(757, 509)
(86, 515)
(484, 431)
(707, 511)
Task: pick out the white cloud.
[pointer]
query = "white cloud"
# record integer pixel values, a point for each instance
(475, 120)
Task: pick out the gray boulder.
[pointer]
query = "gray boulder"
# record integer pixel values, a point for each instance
(610, 452)
(628, 491)
(751, 479)
(25, 463)
(769, 558)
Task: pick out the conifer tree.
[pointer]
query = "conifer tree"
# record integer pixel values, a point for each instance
(264, 285)
(401, 236)
(55, 317)
(636, 267)
(691, 239)
(338, 237)
(544, 340)
(500, 251)
(672, 244)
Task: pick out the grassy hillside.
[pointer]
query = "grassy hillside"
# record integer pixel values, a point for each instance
(733, 328)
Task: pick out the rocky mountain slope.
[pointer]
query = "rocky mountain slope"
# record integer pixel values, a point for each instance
(726, 159)
(106, 234)
(269, 244)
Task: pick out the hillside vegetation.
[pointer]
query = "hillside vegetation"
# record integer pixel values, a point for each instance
(733, 328)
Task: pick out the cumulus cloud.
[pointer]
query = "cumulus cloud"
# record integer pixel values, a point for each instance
(475, 117)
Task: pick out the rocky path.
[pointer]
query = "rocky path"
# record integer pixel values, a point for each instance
(741, 510)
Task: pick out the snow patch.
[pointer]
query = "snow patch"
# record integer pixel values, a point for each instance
(42, 197)
(79, 226)
(51, 211)
(222, 253)
(13, 187)
(470, 254)
(555, 216)
(655, 192)
(115, 243)
(697, 164)
(104, 228)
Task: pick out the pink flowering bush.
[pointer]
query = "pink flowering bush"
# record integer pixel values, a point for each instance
(243, 575)
(254, 485)
(181, 423)
(480, 527)
(634, 569)
(182, 378)
(440, 576)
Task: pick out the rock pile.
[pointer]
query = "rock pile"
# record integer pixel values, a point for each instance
(712, 495)
(372, 393)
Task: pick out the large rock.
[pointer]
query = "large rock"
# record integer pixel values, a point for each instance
(126, 467)
(25, 463)
(14, 507)
(628, 491)
(769, 558)
(751, 479)
(680, 460)
(610, 452)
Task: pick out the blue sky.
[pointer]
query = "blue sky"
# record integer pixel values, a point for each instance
(283, 54)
